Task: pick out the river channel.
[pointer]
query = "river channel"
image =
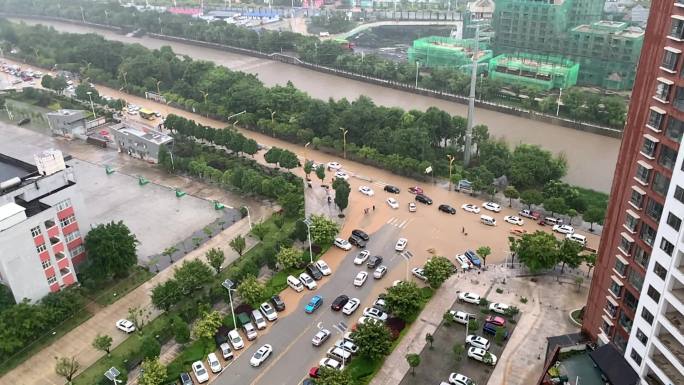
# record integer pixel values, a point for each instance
(591, 157)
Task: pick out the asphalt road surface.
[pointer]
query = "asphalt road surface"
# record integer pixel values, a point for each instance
(293, 353)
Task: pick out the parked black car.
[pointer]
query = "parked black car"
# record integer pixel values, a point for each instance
(339, 302)
(423, 199)
(392, 189)
(356, 241)
(374, 262)
(361, 234)
(447, 209)
(185, 379)
(313, 271)
(278, 303)
(221, 335)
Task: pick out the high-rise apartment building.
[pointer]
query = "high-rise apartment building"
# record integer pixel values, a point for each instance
(636, 300)
(41, 225)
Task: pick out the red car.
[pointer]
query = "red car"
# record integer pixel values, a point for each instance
(496, 320)
(415, 190)
(313, 372)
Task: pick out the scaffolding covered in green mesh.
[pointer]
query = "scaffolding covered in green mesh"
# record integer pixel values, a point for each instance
(438, 51)
(532, 70)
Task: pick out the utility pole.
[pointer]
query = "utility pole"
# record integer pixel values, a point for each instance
(560, 95)
(471, 101)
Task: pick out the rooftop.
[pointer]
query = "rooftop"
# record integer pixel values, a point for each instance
(150, 135)
(13, 168)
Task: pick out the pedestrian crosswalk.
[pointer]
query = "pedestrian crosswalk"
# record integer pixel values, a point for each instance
(398, 222)
(341, 327)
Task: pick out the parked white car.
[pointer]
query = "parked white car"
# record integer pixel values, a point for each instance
(469, 297)
(481, 354)
(412, 207)
(362, 320)
(236, 340)
(393, 203)
(498, 307)
(477, 341)
(334, 166)
(471, 208)
(331, 363)
(351, 306)
(491, 206)
(261, 355)
(360, 278)
(341, 175)
(323, 267)
(362, 257)
(200, 372)
(419, 273)
(347, 345)
(380, 272)
(401, 244)
(375, 313)
(320, 337)
(214, 363)
(343, 244)
(367, 191)
(307, 281)
(512, 219)
(125, 326)
(459, 379)
(463, 261)
(564, 229)
(268, 311)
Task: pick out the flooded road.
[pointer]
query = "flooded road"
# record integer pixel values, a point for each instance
(591, 158)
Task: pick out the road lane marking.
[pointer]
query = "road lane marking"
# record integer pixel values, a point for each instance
(402, 224)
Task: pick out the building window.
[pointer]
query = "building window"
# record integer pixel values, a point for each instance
(659, 270)
(631, 223)
(46, 263)
(641, 257)
(51, 279)
(630, 300)
(77, 250)
(635, 279)
(670, 60)
(667, 157)
(662, 91)
(607, 329)
(611, 309)
(625, 321)
(63, 204)
(72, 235)
(635, 357)
(654, 209)
(616, 289)
(641, 337)
(637, 198)
(35, 231)
(678, 101)
(646, 315)
(625, 244)
(675, 129)
(648, 148)
(67, 221)
(653, 293)
(642, 173)
(648, 234)
(674, 221)
(620, 342)
(677, 29)
(40, 248)
(679, 194)
(666, 246)
(660, 183)
(620, 267)
(655, 120)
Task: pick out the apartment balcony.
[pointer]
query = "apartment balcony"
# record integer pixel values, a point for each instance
(54, 240)
(671, 343)
(667, 368)
(676, 319)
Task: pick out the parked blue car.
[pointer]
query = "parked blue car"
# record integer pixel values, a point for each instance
(314, 304)
(473, 258)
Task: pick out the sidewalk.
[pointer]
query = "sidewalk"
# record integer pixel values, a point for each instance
(40, 368)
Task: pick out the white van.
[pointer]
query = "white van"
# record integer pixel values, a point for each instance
(249, 330)
(579, 238)
(339, 354)
(552, 221)
(294, 283)
(463, 261)
(487, 220)
(258, 319)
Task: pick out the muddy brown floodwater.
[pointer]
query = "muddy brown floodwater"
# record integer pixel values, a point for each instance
(591, 158)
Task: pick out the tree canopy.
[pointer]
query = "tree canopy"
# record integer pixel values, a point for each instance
(111, 250)
(437, 270)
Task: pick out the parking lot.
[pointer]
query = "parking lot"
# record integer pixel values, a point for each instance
(439, 361)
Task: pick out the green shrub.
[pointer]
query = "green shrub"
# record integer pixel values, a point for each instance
(150, 347)
(523, 299)
(181, 331)
(499, 290)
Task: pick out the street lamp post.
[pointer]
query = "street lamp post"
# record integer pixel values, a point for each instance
(471, 100)
(451, 161)
(205, 101)
(82, 14)
(558, 103)
(417, 70)
(249, 217)
(107, 16)
(158, 82)
(92, 106)
(308, 224)
(124, 73)
(306, 152)
(228, 284)
(344, 141)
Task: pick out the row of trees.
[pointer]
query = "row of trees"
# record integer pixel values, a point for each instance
(542, 251)
(579, 105)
